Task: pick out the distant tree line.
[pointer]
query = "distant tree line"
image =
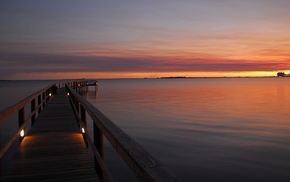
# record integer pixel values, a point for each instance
(282, 74)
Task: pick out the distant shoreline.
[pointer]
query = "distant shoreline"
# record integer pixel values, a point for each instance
(169, 77)
(183, 77)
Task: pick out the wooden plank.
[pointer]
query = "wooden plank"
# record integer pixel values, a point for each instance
(53, 150)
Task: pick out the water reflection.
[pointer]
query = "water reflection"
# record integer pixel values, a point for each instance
(89, 92)
(206, 129)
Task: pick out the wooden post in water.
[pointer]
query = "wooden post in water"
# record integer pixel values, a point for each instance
(21, 119)
(87, 87)
(99, 144)
(96, 88)
(32, 110)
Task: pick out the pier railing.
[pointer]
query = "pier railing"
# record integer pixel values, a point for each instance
(136, 157)
(37, 102)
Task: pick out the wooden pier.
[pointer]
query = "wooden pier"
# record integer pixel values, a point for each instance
(54, 149)
(56, 146)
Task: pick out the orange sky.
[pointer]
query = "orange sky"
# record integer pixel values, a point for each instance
(100, 39)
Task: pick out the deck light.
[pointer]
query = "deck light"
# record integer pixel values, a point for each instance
(22, 133)
(67, 94)
(49, 94)
(83, 130)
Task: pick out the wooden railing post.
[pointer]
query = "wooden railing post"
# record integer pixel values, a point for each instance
(32, 110)
(47, 94)
(77, 104)
(84, 120)
(138, 160)
(19, 108)
(99, 144)
(43, 99)
(83, 115)
(21, 119)
(39, 103)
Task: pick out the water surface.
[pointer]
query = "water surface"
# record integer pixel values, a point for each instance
(231, 129)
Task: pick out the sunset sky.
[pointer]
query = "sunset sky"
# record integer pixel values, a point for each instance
(59, 39)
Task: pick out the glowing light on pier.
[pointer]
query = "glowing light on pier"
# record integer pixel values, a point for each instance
(67, 94)
(22, 133)
(83, 130)
(49, 94)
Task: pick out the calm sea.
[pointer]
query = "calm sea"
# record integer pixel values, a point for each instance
(213, 129)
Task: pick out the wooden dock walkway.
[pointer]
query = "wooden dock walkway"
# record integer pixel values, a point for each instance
(54, 149)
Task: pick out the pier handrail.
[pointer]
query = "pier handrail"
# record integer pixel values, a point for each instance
(42, 97)
(136, 157)
(103, 172)
(6, 113)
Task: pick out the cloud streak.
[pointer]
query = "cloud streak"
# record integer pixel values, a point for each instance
(35, 63)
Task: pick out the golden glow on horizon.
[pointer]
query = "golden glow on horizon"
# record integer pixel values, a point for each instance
(112, 75)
